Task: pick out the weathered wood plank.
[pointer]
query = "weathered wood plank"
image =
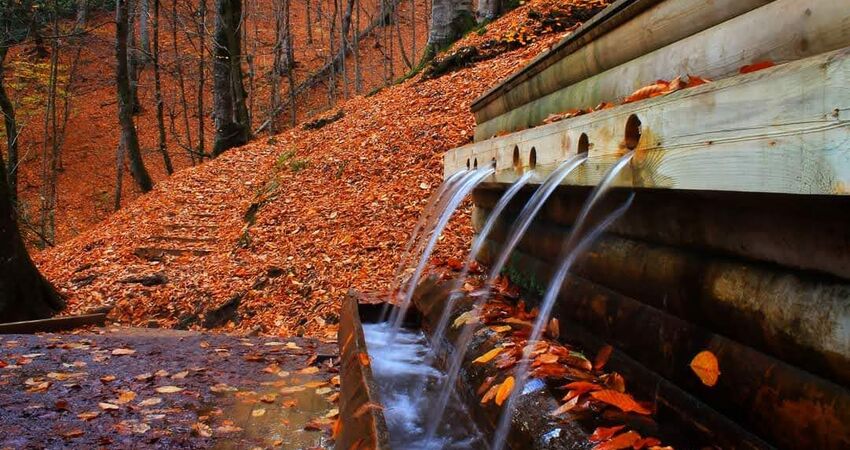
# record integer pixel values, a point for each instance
(782, 31)
(777, 229)
(781, 130)
(53, 324)
(797, 317)
(624, 31)
(788, 406)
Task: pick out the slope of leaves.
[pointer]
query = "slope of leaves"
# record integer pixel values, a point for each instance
(329, 209)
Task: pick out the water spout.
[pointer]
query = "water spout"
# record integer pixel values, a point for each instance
(529, 212)
(575, 246)
(526, 216)
(465, 186)
(477, 244)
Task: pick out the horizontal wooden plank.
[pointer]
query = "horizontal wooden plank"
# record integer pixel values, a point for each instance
(624, 31)
(781, 31)
(53, 324)
(780, 130)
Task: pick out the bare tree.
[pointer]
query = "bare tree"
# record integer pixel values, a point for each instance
(160, 115)
(8, 111)
(129, 138)
(231, 114)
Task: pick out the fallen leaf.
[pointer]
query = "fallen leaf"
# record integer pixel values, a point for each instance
(706, 367)
(258, 412)
(268, 398)
(756, 66)
(625, 402)
(619, 442)
(565, 407)
(180, 375)
(487, 357)
(602, 357)
(122, 352)
(201, 429)
(126, 397)
(150, 401)
(107, 378)
(108, 406)
(168, 389)
(73, 433)
(88, 415)
(504, 390)
(501, 328)
(604, 433)
(364, 358)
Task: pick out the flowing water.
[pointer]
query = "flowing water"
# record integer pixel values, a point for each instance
(477, 244)
(408, 388)
(526, 216)
(529, 212)
(465, 186)
(426, 221)
(575, 245)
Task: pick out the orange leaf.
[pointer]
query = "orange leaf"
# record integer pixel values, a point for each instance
(706, 367)
(645, 92)
(623, 401)
(364, 358)
(602, 357)
(619, 442)
(646, 442)
(485, 358)
(504, 390)
(756, 66)
(604, 433)
(490, 394)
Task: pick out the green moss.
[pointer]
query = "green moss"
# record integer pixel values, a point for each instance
(527, 282)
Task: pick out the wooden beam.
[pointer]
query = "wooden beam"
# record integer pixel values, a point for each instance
(53, 324)
(797, 317)
(781, 31)
(626, 30)
(782, 130)
(787, 406)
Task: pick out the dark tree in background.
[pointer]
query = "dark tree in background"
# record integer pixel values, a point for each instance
(24, 293)
(129, 137)
(232, 124)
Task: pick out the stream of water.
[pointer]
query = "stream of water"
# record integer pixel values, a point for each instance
(408, 390)
(575, 246)
(466, 184)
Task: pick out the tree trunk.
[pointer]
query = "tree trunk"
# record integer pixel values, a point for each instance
(144, 34)
(129, 138)
(24, 293)
(160, 114)
(202, 66)
(449, 20)
(8, 111)
(489, 10)
(134, 62)
(231, 114)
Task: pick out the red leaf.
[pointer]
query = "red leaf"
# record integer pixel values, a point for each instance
(621, 400)
(602, 357)
(756, 66)
(604, 433)
(619, 442)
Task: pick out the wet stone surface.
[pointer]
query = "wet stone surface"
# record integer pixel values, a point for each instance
(137, 388)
